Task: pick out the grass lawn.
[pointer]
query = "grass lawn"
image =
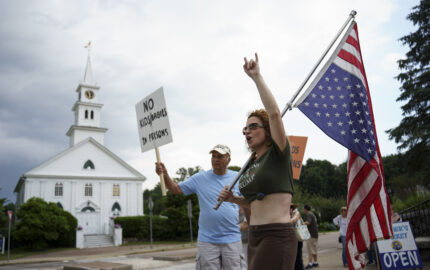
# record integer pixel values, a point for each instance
(18, 253)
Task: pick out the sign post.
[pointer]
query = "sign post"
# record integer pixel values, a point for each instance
(150, 206)
(153, 125)
(190, 215)
(401, 252)
(9, 213)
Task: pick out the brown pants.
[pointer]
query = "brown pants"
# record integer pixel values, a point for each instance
(272, 246)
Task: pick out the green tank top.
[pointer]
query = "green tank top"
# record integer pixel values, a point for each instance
(271, 173)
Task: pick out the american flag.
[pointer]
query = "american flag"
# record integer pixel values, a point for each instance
(338, 102)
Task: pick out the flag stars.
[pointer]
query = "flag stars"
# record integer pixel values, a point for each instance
(347, 114)
(355, 104)
(344, 105)
(338, 88)
(327, 79)
(330, 124)
(314, 96)
(323, 96)
(345, 79)
(333, 70)
(316, 105)
(353, 131)
(334, 106)
(348, 87)
(363, 130)
(329, 88)
(360, 121)
(306, 103)
(350, 122)
(343, 132)
(336, 79)
(341, 96)
(351, 95)
(331, 97)
(325, 105)
(367, 141)
(327, 114)
(357, 112)
(318, 114)
(339, 124)
(356, 140)
(358, 86)
(361, 95)
(337, 114)
(369, 150)
(320, 87)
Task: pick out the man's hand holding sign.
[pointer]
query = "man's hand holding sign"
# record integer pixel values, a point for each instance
(153, 125)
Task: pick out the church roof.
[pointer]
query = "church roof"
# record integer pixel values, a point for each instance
(69, 164)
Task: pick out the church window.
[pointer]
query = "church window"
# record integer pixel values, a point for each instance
(89, 165)
(58, 189)
(116, 209)
(86, 114)
(92, 114)
(115, 190)
(60, 205)
(88, 190)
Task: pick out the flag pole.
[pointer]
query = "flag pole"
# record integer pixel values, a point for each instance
(289, 106)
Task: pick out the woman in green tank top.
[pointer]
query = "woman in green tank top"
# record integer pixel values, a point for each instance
(267, 183)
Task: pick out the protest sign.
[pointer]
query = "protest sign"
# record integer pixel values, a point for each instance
(401, 252)
(153, 125)
(297, 146)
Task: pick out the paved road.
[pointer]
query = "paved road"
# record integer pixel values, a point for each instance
(142, 258)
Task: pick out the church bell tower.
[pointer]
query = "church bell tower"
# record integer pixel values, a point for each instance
(87, 109)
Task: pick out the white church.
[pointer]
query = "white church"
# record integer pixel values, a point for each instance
(87, 179)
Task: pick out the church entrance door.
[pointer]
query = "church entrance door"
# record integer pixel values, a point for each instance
(90, 222)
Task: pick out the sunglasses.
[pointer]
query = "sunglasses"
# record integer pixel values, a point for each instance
(251, 126)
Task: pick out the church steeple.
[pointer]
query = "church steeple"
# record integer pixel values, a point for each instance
(86, 109)
(88, 76)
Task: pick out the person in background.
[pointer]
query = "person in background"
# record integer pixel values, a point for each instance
(341, 223)
(395, 217)
(219, 243)
(243, 225)
(311, 244)
(295, 218)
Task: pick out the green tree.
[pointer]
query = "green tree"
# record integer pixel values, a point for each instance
(320, 177)
(41, 224)
(3, 217)
(413, 132)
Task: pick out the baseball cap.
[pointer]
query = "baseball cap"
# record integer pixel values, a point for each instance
(222, 149)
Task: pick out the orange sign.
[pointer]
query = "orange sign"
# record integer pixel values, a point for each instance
(298, 146)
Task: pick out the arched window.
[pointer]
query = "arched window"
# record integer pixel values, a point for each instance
(116, 209)
(58, 189)
(115, 190)
(92, 114)
(60, 205)
(88, 190)
(89, 165)
(86, 114)
(88, 209)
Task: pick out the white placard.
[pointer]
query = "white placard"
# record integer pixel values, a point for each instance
(401, 252)
(152, 121)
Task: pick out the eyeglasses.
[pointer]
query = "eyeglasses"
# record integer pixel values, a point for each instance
(251, 126)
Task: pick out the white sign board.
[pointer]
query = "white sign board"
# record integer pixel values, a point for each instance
(401, 252)
(152, 121)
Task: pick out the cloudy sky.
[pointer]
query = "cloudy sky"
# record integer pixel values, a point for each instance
(195, 50)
